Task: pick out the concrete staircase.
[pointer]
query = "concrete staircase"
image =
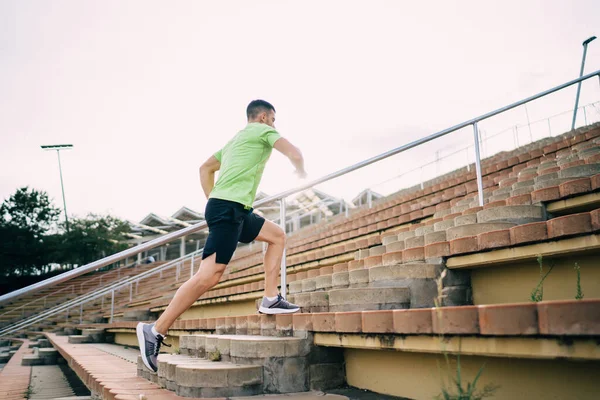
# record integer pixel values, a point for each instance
(236, 365)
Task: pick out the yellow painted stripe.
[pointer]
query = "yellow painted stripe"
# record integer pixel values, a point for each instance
(576, 245)
(518, 347)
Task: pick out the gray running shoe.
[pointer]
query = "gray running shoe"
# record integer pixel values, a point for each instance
(149, 345)
(277, 306)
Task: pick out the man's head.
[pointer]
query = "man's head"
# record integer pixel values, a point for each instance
(261, 111)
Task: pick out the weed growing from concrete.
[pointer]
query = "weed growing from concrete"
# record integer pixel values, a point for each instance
(214, 355)
(453, 387)
(579, 294)
(28, 392)
(537, 294)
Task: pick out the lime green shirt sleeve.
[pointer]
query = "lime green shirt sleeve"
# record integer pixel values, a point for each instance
(218, 155)
(270, 136)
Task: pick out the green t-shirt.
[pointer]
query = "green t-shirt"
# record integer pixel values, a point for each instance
(243, 161)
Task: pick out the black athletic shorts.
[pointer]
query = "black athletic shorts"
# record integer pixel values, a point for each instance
(229, 222)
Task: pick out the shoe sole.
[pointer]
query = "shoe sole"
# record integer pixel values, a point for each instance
(273, 311)
(139, 330)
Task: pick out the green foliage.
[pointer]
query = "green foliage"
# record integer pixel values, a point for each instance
(28, 392)
(27, 247)
(214, 355)
(30, 210)
(25, 218)
(455, 388)
(579, 294)
(90, 239)
(537, 294)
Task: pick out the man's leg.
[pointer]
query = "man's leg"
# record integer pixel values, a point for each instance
(207, 276)
(151, 336)
(274, 236)
(272, 303)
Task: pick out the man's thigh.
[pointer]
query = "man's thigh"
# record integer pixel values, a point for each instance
(270, 233)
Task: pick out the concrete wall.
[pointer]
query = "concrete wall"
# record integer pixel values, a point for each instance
(420, 375)
(514, 282)
(233, 309)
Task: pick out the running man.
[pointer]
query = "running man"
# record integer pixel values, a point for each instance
(230, 219)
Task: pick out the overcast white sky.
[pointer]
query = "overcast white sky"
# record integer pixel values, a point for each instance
(147, 90)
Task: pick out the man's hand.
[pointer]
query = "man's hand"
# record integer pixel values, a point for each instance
(300, 174)
(293, 154)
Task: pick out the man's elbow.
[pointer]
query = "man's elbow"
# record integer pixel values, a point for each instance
(296, 155)
(204, 169)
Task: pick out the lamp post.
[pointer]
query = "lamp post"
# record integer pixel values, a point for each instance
(58, 148)
(585, 43)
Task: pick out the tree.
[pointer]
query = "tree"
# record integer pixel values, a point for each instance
(90, 239)
(25, 218)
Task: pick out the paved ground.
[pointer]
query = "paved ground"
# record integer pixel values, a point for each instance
(49, 382)
(124, 352)
(131, 354)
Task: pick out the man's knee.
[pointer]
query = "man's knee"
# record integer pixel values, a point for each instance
(280, 237)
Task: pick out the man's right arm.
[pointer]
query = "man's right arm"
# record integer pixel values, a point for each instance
(207, 174)
(293, 153)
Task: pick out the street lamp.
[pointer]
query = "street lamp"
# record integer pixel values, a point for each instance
(58, 148)
(585, 43)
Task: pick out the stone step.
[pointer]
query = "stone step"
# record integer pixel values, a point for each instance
(418, 277)
(31, 359)
(363, 299)
(296, 396)
(78, 339)
(196, 377)
(475, 229)
(513, 214)
(580, 171)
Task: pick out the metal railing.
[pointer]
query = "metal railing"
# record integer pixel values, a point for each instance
(283, 195)
(484, 138)
(108, 289)
(72, 287)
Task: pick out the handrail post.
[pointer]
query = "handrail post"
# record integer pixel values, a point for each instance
(283, 268)
(585, 44)
(112, 305)
(192, 267)
(130, 291)
(80, 313)
(478, 165)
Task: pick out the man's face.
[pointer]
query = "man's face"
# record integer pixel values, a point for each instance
(268, 117)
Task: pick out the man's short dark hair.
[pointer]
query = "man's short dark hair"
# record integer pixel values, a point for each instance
(258, 106)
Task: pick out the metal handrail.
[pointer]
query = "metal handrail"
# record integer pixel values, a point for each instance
(109, 288)
(38, 299)
(466, 148)
(194, 228)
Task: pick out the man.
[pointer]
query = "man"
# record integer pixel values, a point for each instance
(230, 219)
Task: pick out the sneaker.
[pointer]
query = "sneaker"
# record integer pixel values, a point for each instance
(277, 306)
(149, 345)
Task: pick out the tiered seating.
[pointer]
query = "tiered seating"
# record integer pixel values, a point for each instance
(373, 280)
(29, 305)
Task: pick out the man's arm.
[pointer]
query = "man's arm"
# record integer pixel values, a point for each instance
(207, 174)
(293, 153)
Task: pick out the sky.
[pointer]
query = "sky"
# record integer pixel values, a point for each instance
(146, 91)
